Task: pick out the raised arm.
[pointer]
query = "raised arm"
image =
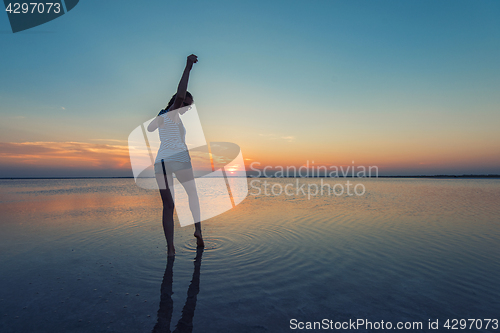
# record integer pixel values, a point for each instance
(181, 92)
(182, 88)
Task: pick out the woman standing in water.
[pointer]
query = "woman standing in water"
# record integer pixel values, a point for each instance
(173, 157)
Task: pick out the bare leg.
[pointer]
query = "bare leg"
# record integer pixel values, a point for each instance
(186, 178)
(167, 197)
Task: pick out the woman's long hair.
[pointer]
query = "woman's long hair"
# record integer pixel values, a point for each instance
(172, 100)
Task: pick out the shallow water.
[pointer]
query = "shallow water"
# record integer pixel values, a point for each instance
(88, 255)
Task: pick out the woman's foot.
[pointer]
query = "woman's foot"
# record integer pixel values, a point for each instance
(199, 238)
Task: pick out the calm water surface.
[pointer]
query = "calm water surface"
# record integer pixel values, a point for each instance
(88, 255)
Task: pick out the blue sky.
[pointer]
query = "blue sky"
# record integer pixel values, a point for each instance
(327, 73)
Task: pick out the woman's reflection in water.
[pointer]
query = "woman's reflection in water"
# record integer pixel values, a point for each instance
(185, 324)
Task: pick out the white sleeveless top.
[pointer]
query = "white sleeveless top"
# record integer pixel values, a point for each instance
(173, 141)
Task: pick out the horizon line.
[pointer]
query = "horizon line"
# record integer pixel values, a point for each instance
(349, 177)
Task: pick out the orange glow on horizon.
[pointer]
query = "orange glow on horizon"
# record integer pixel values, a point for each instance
(92, 156)
(65, 155)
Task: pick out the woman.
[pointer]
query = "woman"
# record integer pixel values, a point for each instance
(173, 157)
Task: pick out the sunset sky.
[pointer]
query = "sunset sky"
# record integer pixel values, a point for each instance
(412, 87)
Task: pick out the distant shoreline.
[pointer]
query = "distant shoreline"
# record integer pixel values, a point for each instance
(347, 177)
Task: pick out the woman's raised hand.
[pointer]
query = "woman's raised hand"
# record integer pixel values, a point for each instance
(192, 59)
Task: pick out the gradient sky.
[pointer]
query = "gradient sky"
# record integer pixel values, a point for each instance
(410, 86)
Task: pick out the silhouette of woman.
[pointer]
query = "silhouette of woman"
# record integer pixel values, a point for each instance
(185, 323)
(173, 157)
